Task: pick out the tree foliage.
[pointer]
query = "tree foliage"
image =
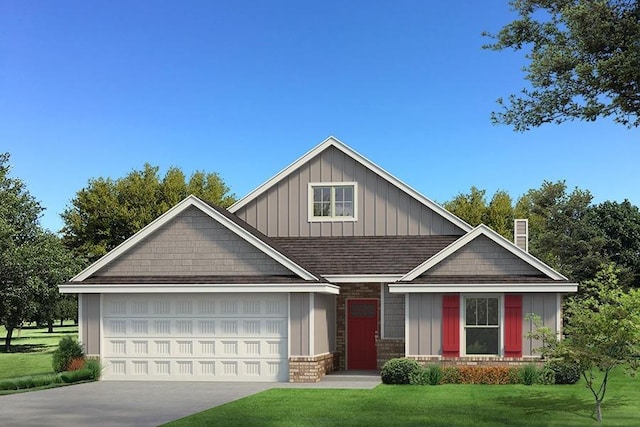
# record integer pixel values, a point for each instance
(107, 211)
(583, 61)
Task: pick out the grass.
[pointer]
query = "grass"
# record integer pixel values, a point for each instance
(443, 405)
(32, 350)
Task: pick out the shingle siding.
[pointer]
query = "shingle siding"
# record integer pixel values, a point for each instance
(382, 208)
(482, 257)
(193, 244)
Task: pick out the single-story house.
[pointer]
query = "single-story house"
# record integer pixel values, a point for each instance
(332, 264)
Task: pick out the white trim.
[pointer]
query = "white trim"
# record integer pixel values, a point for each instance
(333, 218)
(406, 323)
(483, 230)
(382, 335)
(559, 315)
(81, 321)
(101, 326)
(332, 141)
(360, 278)
(288, 328)
(214, 214)
(463, 323)
(489, 287)
(312, 323)
(325, 288)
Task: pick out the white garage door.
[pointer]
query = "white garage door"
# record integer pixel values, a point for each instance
(197, 337)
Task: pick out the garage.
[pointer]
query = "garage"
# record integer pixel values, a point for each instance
(195, 337)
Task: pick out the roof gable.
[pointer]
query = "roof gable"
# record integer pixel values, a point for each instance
(332, 142)
(253, 252)
(472, 242)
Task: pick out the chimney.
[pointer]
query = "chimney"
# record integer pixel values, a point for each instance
(521, 234)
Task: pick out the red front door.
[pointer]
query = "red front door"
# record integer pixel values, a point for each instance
(362, 324)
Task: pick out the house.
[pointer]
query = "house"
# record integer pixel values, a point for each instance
(332, 264)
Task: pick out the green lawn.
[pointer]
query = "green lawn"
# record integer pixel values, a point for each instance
(444, 405)
(31, 350)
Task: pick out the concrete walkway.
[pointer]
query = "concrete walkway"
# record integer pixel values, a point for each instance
(129, 403)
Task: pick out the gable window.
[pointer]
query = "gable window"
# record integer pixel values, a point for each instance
(332, 201)
(482, 325)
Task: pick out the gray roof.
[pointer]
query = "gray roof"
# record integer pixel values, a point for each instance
(195, 280)
(482, 279)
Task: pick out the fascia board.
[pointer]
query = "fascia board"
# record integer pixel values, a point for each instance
(359, 278)
(70, 288)
(486, 231)
(172, 213)
(360, 159)
(399, 288)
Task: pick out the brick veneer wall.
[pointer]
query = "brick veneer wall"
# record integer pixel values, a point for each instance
(310, 369)
(388, 348)
(351, 291)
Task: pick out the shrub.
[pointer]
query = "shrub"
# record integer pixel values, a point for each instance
(75, 364)
(566, 372)
(419, 377)
(94, 367)
(484, 374)
(529, 374)
(435, 374)
(398, 371)
(450, 375)
(546, 376)
(68, 349)
(76, 376)
(514, 375)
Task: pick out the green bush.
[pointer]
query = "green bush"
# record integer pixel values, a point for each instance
(450, 375)
(399, 371)
(76, 376)
(419, 377)
(529, 374)
(435, 374)
(546, 376)
(566, 372)
(68, 349)
(94, 367)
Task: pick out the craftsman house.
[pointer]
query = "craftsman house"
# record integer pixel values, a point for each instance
(332, 264)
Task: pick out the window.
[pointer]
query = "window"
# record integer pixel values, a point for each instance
(332, 202)
(482, 325)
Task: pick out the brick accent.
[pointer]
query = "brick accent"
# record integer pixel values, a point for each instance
(388, 348)
(310, 369)
(477, 361)
(351, 291)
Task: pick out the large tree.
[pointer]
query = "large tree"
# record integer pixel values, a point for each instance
(107, 212)
(583, 61)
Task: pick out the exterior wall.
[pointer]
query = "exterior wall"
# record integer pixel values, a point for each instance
(425, 324)
(193, 244)
(351, 291)
(388, 348)
(393, 315)
(90, 323)
(545, 306)
(310, 369)
(482, 256)
(324, 333)
(382, 208)
(299, 324)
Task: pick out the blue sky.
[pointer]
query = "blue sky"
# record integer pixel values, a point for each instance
(243, 88)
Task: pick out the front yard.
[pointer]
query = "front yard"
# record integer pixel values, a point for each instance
(443, 405)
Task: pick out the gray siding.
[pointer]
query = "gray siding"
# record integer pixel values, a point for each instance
(299, 324)
(545, 306)
(425, 328)
(382, 208)
(90, 323)
(482, 256)
(193, 244)
(393, 321)
(324, 323)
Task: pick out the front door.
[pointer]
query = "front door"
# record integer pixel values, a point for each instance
(362, 325)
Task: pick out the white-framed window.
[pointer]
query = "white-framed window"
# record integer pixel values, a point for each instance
(482, 325)
(333, 201)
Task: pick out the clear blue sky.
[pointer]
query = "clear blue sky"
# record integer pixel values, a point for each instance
(243, 88)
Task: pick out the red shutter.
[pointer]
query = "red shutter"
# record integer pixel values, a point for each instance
(513, 325)
(450, 325)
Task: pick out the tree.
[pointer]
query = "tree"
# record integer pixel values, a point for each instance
(107, 211)
(470, 207)
(584, 61)
(602, 332)
(500, 214)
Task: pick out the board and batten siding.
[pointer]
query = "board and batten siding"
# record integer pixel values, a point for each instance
(324, 333)
(382, 208)
(544, 305)
(299, 324)
(425, 324)
(90, 323)
(193, 243)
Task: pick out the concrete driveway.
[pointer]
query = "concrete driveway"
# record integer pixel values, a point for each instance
(119, 403)
(132, 403)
